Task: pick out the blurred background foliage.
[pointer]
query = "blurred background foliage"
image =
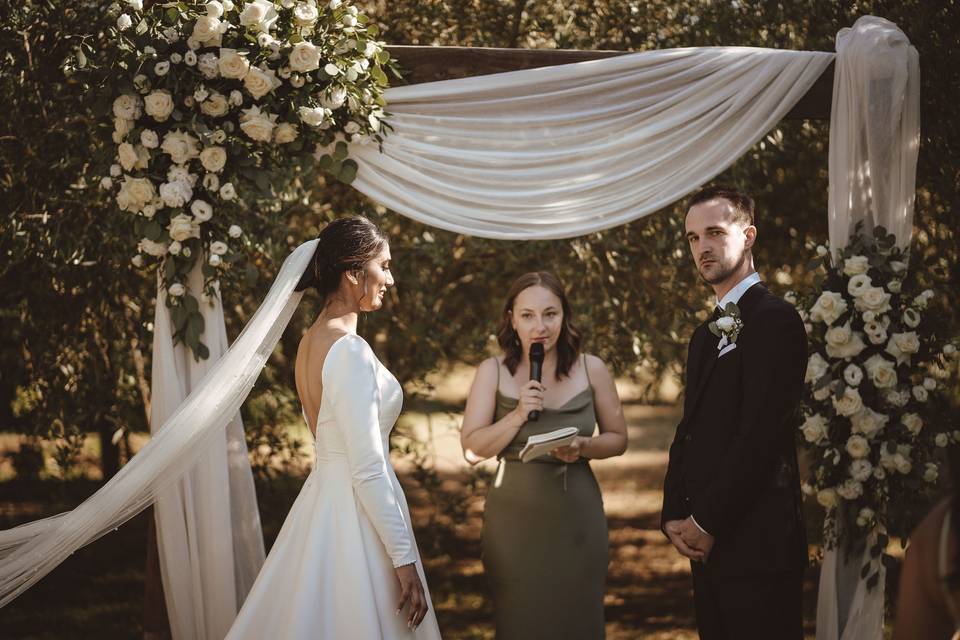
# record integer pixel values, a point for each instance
(75, 315)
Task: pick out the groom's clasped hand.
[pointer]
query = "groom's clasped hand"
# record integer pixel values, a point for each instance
(688, 539)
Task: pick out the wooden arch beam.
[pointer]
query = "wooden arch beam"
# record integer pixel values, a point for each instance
(426, 64)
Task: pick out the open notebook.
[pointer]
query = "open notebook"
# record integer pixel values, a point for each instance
(542, 443)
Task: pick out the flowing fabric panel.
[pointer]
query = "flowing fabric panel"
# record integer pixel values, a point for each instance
(568, 150)
(30, 551)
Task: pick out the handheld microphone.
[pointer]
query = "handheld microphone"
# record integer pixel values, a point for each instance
(536, 371)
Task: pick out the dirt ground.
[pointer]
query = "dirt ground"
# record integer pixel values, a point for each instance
(98, 593)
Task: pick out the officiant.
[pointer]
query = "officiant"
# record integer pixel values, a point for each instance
(544, 542)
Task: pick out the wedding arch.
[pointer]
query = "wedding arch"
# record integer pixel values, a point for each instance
(549, 152)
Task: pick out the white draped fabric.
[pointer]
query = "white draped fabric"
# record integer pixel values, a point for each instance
(30, 551)
(874, 131)
(207, 521)
(874, 142)
(568, 150)
(537, 154)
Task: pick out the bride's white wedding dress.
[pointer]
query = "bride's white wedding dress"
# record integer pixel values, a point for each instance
(330, 574)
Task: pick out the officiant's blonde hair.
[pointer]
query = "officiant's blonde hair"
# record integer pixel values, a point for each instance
(570, 340)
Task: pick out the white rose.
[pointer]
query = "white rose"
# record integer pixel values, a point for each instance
(312, 116)
(865, 516)
(351, 127)
(850, 489)
(942, 440)
(849, 403)
(898, 398)
(873, 298)
(823, 393)
(861, 469)
(856, 265)
(305, 14)
(218, 247)
(903, 345)
(149, 139)
(858, 284)
(151, 248)
(182, 174)
(827, 498)
(853, 375)
(208, 30)
(232, 64)
(726, 324)
(260, 81)
(135, 193)
(137, 260)
(285, 133)
(305, 57)
(127, 156)
(257, 125)
(913, 423)
(902, 464)
(214, 260)
(136, 5)
(920, 394)
(106, 183)
(176, 194)
(218, 136)
(234, 231)
(929, 384)
(213, 159)
(227, 192)
(236, 98)
(202, 211)
(259, 15)
(128, 106)
(116, 171)
(814, 428)
(214, 9)
(211, 182)
(175, 248)
(868, 422)
(331, 69)
(881, 372)
(931, 472)
(124, 22)
(122, 127)
(816, 367)
(176, 290)
(180, 146)
(183, 227)
(349, 21)
(216, 105)
(159, 104)
(842, 342)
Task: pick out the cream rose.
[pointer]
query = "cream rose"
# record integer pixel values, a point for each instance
(234, 231)
(814, 428)
(127, 156)
(861, 469)
(213, 159)
(873, 299)
(816, 367)
(857, 446)
(912, 422)
(128, 106)
(151, 248)
(868, 422)
(827, 498)
(305, 57)
(305, 14)
(856, 265)
(159, 104)
(180, 146)
(828, 307)
(232, 64)
(183, 227)
(218, 248)
(176, 194)
(257, 125)
(930, 472)
(149, 139)
(135, 193)
(849, 403)
(259, 15)
(902, 345)
(842, 342)
(882, 372)
(208, 30)
(260, 81)
(850, 490)
(216, 105)
(285, 133)
(313, 116)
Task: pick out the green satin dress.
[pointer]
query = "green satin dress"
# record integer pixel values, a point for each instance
(544, 543)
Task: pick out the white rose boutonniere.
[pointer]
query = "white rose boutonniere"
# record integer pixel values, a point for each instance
(728, 326)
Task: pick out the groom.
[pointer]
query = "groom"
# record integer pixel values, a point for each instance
(731, 498)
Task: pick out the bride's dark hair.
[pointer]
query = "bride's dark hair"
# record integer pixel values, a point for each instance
(569, 342)
(345, 245)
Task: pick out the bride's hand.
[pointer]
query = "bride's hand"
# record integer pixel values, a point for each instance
(411, 590)
(531, 399)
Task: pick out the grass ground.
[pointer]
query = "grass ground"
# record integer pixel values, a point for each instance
(98, 592)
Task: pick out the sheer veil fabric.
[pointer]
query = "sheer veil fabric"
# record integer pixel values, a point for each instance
(32, 550)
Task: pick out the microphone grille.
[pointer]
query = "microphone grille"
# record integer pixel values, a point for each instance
(536, 350)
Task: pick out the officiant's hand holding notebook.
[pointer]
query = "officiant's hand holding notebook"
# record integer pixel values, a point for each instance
(542, 443)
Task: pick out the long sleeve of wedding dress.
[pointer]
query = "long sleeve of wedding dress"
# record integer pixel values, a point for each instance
(350, 380)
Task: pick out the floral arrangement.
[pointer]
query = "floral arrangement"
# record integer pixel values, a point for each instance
(214, 101)
(873, 403)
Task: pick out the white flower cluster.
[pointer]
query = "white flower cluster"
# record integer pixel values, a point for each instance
(226, 96)
(868, 414)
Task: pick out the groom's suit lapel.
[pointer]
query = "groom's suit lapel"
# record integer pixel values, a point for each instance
(708, 356)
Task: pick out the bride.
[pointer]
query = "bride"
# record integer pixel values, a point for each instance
(345, 564)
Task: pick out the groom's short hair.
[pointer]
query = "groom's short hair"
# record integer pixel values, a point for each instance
(743, 206)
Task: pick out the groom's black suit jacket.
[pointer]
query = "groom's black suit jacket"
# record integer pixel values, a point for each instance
(733, 461)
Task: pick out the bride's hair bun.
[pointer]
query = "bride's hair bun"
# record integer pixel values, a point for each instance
(345, 245)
